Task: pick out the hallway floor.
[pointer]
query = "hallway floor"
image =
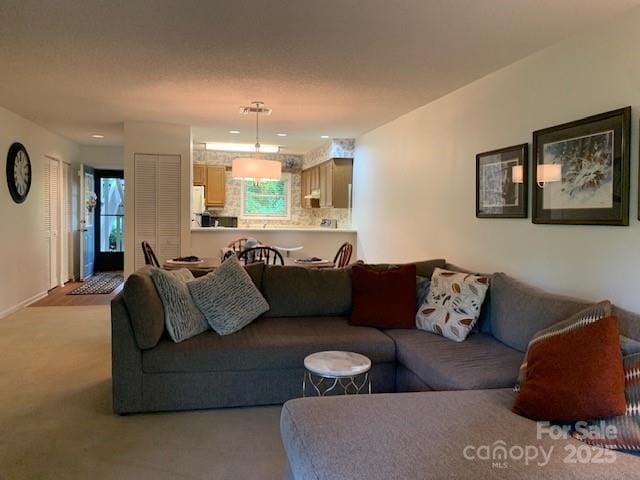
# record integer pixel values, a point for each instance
(58, 297)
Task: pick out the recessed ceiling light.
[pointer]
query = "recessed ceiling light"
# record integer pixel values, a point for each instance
(324, 136)
(281, 134)
(97, 135)
(234, 131)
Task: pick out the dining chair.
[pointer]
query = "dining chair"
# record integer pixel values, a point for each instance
(262, 254)
(149, 256)
(343, 256)
(238, 244)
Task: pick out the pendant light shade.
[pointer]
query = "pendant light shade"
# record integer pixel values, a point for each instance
(254, 168)
(249, 168)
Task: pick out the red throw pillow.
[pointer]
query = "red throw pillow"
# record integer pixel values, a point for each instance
(384, 298)
(575, 375)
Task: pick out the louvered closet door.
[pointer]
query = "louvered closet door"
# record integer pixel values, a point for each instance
(146, 208)
(52, 222)
(168, 207)
(157, 206)
(66, 266)
(46, 213)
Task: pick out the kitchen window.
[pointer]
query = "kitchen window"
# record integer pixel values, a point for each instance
(266, 199)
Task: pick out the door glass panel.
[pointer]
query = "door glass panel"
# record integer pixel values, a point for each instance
(111, 215)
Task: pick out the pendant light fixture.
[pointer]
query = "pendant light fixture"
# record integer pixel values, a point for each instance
(256, 168)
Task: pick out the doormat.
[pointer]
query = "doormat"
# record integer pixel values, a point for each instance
(101, 283)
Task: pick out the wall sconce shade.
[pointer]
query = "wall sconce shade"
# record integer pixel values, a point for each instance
(249, 168)
(517, 174)
(548, 173)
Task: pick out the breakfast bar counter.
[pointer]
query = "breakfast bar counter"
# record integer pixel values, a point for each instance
(315, 241)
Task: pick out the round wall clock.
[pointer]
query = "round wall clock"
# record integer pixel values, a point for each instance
(18, 172)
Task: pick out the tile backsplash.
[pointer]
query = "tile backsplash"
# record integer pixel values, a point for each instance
(292, 166)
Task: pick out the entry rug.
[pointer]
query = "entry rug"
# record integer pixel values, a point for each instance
(101, 283)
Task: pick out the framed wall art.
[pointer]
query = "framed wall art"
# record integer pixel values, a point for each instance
(581, 171)
(502, 178)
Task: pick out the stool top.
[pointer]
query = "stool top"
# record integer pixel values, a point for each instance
(334, 364)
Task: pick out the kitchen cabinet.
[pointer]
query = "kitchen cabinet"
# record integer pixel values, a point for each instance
(315, 178)
(326, 185)
(200, 175)
(309, 182)
(305, 189)
(331, 179)
(215, 186)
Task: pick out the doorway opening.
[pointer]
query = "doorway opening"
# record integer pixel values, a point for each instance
(109, 220)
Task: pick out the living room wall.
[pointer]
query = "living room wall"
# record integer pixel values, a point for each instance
(23, 259)
(414, 179)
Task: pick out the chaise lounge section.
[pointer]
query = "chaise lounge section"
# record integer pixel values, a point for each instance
(432, 435)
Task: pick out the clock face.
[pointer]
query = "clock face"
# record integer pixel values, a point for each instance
(18, 172)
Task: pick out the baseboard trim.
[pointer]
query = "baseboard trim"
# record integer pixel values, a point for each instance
(27, 302)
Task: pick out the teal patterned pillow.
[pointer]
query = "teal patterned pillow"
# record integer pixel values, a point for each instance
(422, 290)
(181, 317)
(228, 298)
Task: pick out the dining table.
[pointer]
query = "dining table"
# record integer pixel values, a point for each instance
(202, 267)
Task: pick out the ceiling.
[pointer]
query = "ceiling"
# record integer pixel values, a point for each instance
(332, 67)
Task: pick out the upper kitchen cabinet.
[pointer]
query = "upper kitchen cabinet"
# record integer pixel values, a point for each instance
(215, 188)
(330, 182)
(200, 175)
(212, 178)
(310, 191)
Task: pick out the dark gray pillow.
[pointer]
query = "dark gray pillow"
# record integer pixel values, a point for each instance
(294, 291)
(518, 310)
(182, 318)
(255, 271)
(144, 307)
(228, 298)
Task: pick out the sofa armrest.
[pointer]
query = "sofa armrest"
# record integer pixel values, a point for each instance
(126, 361)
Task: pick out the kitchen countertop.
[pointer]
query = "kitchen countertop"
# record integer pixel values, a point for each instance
(273, 229)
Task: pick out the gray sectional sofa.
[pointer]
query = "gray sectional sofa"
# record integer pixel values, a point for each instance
(448, 434)
(406, 435)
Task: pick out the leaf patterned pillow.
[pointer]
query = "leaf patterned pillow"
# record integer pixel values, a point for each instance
(453, 305)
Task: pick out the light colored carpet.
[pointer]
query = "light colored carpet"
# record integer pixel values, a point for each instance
(56, 420)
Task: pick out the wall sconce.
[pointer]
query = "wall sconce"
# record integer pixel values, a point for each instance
(548, 173)
(517, 174)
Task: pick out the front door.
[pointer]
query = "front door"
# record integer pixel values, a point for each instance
(87, 209)
(109, 234)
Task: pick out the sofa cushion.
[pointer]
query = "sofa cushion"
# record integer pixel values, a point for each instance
(432, 435)
(144, 307)
(182, 319)
(255, 271)
(268, 343)
(384, 299)
(629, 324)
(478, 362)
(518, 310)
(293, 291)
(228, 298)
